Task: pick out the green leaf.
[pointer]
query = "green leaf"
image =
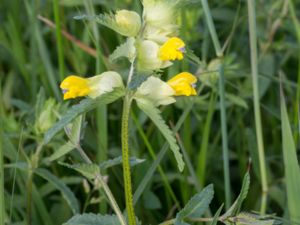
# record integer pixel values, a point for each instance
(251, 219)
(76, 130)
(236, 206)
(154, 115)
(237, 100)
(118, 160)
(90, 171)
(126, 49)
(137, 80)
(216, 216)
(63, 150)
(196, 206)
(84, 106)
(93, 219)
(291, 164)
(64, 189)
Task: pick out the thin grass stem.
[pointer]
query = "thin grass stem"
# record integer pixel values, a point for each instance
(60, 52)
(219, 53)
(257, 113)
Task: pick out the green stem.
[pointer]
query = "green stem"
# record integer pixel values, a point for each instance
(126, 164)
(257, 113)
(219, 53)
(2, 202)
(59, 40)
(105, 187)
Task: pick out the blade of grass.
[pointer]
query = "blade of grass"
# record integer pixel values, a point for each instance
(202, 157)
(219, 53)
(296, 24)
(101, 111)
(154, 157)
(291, 164)
(2, 201)
(60, 52)
(257, 113)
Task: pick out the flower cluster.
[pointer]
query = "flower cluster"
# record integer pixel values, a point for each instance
(156, 45)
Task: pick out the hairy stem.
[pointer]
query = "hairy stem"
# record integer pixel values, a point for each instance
(126, 165)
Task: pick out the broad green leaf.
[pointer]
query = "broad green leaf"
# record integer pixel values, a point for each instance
(93, 219)
(84, 106)
(216, 216)
(64, 189)
(196, 206)
(90, 171)
(126, 49)
(63, 150)
(155, 116)
(118, 160)
(236, 206)
(291, 164)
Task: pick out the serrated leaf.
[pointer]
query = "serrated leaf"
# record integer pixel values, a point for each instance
(64, 189)
(90, 171)
(155, 116)
(84, 106)
(63, 150)
(118, 160)
(236, 206)
(93, 219)
(192, 57)
(196, 206)
(126, 49)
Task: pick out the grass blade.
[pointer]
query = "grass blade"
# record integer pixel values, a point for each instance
(291, 164)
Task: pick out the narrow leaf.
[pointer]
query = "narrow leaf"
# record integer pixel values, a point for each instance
(196, 206)
(291, 164)
(216, 216)
(155, 116)
(63, 150)
(93, 219)
(236, 206)
(84, 106)
(118, 160)
(64, 189)
(90, 171)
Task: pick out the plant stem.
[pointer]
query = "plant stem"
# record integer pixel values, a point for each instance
(257, 113)
(60, 51)
(107, 191)
(2, 202)
(126, 164)
(219, 53)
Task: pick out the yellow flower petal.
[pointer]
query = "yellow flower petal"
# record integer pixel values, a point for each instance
(74, 86)
(183, 84)
(172, 49)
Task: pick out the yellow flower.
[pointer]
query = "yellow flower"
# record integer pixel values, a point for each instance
(75, 86)
(183, 84)
(172, 49)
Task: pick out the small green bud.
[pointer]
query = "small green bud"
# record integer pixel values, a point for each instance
(210, 76)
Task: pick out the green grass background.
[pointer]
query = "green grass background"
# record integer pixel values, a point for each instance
(35, 57)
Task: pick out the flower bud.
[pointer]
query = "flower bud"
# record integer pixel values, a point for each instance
(128, 22)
